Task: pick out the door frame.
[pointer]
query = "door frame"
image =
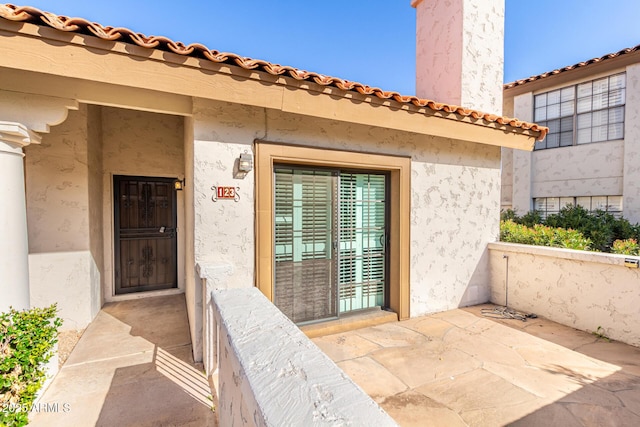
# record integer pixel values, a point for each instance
(109, 282)
(399, 169)
(336, 257)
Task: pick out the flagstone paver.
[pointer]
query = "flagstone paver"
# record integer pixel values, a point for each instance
(372, 377)
(133, 366)
(413, 408)
(461, 368)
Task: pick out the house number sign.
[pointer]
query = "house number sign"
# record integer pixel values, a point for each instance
(225, 193)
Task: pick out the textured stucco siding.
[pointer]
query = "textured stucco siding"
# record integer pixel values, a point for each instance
(254, 350)
(455, 199)
(631, 185)
(506, 169)
(521, 196)
(584, 170)
(96, 237)
(65, 278)
(460, 52)
(483, 57)
(57, 188)
(584, 290)
(62, 268)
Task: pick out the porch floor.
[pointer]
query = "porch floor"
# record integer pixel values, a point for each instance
(132, 366)
(458, 368)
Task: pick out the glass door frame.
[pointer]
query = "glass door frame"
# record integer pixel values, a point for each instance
(336, 241)
(399, 248)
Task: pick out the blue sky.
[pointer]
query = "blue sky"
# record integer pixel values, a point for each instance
(369, 41)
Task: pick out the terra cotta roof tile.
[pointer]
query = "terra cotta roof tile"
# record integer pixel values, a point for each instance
(83, 26)
(573, 67)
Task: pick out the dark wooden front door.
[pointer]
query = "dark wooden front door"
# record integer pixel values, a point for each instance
(145, 234)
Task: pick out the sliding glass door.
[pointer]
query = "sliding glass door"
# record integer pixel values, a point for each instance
(330, 242)
(362, 234)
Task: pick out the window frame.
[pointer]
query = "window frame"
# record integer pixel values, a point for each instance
(613, 126)
(546, 212)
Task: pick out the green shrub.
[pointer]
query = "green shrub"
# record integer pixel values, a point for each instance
(530, 219)
(626, 247)
(26, 341)
(542, 235)
(508, 214)
(600, 227)
(596, 228)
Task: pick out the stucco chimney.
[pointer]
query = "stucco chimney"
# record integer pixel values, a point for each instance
(460, 52)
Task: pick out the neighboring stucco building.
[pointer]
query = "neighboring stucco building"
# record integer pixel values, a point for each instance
(137, 177)
(591, 156)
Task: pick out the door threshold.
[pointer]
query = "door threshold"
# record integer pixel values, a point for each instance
(349, 323)
(143, 294)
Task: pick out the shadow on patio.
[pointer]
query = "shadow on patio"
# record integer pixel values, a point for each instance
(459, 368)
(132, 366)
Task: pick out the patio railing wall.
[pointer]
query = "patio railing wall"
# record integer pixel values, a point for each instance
(266, 372)
(590, 291)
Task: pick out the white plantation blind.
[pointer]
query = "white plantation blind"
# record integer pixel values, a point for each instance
(330, 242)
(362, 257)
(597, 107)
(305, 285)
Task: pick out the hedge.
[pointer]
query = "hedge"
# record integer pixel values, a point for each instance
(27, 338)
(542, 235)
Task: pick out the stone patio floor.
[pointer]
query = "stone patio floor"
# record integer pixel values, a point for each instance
(459, 368)
(132, 367)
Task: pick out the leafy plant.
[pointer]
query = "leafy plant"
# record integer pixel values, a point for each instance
(626, 247)
(601, 334)
(542, 235)
(26, 344)
(530, 219)
(601, 228)
(508, 214)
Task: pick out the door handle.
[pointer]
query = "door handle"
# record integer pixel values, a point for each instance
(170, 231)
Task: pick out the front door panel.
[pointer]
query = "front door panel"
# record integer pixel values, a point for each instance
(145, 234)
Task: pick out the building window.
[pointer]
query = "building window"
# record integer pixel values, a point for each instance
(588, 112)
(552, 205)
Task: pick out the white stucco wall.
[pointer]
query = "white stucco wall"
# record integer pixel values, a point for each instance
(96, 237)
(62, 268)
(583, 170)
(271, 374)
(631, 180)
(65, 278)
(455, 197)
(521, 196)
(460, 52)
(584, 290)
(506, 168)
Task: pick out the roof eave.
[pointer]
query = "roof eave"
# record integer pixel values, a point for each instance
(48, 51)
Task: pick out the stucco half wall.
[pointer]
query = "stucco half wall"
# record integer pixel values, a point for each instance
(455, 197)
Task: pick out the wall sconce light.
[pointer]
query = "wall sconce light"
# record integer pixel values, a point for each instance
(245, 164)
(178, 184)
